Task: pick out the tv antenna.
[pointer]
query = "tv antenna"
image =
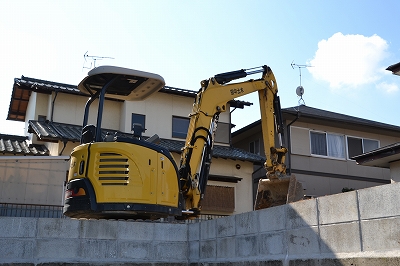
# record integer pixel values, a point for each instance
(94, 58)
(300, 88)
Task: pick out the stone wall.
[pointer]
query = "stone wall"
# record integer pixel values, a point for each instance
(352, 228)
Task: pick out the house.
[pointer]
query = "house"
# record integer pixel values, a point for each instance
(53, 114)
(321, 145)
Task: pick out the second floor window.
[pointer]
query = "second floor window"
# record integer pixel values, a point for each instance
(138, 119)
(357, 146)
(254, 147)
(180, 127)
(326, 144)
(223, 133)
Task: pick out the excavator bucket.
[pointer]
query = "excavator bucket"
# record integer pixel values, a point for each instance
(275, 192)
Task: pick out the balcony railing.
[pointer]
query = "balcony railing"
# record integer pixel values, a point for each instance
(30, 210)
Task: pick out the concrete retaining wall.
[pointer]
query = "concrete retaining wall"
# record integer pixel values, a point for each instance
(354, 228)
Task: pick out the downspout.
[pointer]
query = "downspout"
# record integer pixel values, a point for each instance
(51, 121)
(230, 127)
(64, 145)
(52, 106)
(289, 168)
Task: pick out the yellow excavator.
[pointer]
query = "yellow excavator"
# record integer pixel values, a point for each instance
(117, 176)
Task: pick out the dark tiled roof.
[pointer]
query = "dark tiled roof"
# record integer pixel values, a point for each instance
(53, 131)
(18, 145)
(23, 87)
(381, 157)
(46, 86)
(218, 151)
(326, 117)
(306, 111)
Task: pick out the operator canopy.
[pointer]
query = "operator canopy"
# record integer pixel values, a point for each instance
(130, 84)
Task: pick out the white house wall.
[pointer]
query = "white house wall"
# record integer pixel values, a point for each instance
(55, 148)
(30, 110)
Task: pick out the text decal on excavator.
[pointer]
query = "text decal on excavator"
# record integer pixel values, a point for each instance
(237, 91)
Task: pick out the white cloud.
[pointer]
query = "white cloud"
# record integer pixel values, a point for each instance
(388, 87)
(348, 60)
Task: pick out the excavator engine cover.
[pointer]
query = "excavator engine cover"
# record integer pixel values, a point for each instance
(275, 192)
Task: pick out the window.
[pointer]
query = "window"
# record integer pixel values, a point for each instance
(254, 147)
(180, 127)
(223, 133)
(326, 144)
(138, 119)
(42, 118)
(357, 146)
(219, 199)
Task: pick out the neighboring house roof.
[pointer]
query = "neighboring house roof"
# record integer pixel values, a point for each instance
(24, 86)
(381, 157)
(53, 131)
(308, 114)
(395, 69)
(18, 145)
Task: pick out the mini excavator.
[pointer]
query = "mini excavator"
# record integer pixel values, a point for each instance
(121, 177)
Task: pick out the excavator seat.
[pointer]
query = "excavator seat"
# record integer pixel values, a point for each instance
(88, 134)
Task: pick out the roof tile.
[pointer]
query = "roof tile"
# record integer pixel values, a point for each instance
(18, 145)
(47, 130)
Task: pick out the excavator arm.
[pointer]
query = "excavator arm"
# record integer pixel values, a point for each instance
(210, 101)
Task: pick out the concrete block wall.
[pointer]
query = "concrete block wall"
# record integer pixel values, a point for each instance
(358, 227)
(353, 228)
(51, 240)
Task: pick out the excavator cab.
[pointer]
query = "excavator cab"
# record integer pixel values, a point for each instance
(120, 175)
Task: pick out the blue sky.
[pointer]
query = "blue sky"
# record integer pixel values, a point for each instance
(349, 44)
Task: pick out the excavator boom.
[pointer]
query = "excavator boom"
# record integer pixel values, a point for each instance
(211, 100)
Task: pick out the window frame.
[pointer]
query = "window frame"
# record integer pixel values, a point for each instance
(220, 138)
(344, 146)
(141, 116)
(42, 118)
(179, 135)
(362, 144)
(255, 148)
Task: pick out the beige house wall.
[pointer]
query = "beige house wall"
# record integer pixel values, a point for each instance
(323, 175)
(69, 109)
(300, 137)
(159, 109)
(244, 143)
(395, 171)
(243, 189)
(318, 185)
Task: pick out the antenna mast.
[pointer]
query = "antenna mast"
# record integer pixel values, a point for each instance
(94, 58)
(299, 89)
